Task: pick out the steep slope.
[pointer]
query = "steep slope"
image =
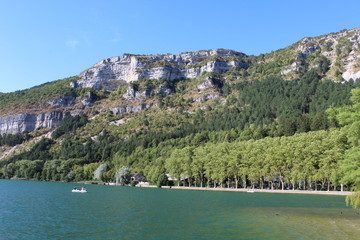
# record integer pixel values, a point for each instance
(204, 147)
(217, 116)
(341, 49)
(132, 83)
(110, 73)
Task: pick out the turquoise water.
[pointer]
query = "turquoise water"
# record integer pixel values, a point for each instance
(48, 210)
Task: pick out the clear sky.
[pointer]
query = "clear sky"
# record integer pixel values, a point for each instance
(46, 40)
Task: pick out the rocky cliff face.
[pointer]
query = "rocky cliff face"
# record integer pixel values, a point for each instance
(26, 122)
(129, 109)
(111, 72)
(342, 50)
(29, 122)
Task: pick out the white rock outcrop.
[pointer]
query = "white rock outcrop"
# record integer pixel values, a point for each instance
(206, 84)
(110, 73)
(127, 109)
(29, 122)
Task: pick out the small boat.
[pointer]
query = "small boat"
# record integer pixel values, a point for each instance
(250, 191)
(82, 190)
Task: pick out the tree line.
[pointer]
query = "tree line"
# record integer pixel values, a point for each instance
(303, 161)
(13, 139)
(276, 133)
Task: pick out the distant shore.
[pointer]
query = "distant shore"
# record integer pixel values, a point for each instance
(339, 193)
(255, 190)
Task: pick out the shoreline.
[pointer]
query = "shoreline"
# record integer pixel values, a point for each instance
(247, 190)
(255, 190)
(337, 193)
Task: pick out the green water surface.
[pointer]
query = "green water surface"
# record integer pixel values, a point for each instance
(49, 210)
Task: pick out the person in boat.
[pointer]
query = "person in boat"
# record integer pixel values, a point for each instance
(75, 188)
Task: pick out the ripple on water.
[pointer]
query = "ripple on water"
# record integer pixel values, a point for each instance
(48, 210)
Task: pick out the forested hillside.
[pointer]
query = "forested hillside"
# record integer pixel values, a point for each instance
(255, 110)
(282, 120)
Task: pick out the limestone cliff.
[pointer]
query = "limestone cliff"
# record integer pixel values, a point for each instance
(111, 72)
(341, 51)
(29, 122)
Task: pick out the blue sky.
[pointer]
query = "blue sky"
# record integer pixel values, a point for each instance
(46, 40)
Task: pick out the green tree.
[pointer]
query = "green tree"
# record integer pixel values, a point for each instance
(350, 116)
(198, 164)
(174, 164)
(122, 175)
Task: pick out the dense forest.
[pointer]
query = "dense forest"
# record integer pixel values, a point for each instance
(282, 138)
(263, 129)
(13, 139)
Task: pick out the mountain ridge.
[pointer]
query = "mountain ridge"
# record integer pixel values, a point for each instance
(287, 119)
(135, 80)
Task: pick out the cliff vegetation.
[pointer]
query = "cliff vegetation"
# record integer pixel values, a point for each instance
(283, 120)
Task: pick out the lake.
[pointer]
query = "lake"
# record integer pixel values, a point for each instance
(49, 210)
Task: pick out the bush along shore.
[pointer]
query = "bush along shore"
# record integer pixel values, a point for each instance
(314, 160)
(249, 190)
